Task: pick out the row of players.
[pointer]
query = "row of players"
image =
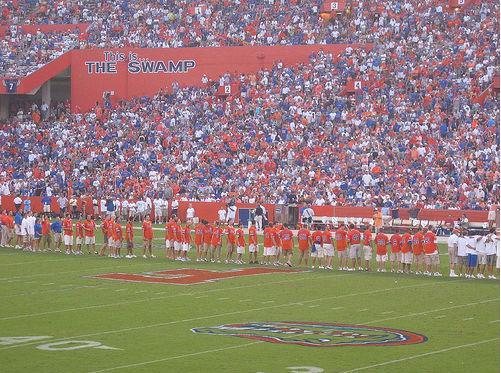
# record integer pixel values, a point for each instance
(471, 255)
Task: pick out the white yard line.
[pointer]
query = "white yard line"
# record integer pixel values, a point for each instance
(174, 357)
(434, 310)
(421, 355)
(221, 314)
(110, 267)
(166, 297)
(31, 262)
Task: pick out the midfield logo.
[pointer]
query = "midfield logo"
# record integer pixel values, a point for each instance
(189, 276)
(316, 334)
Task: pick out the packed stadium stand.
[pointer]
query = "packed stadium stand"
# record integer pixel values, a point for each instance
(411, 120)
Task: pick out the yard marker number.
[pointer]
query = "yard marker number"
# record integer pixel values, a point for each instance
(54, 346)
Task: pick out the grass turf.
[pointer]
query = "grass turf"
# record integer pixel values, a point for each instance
(150, 324)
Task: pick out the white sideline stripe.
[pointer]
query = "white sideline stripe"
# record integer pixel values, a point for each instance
(66, 288)
(224, 314)
(435, 310)
(363, 310)
(387, 312)
(34, 261)
(337, 308)
(111, 266)
(493, 321)
(169, 296)
(175, 357)
(421, 355)
(468, 318)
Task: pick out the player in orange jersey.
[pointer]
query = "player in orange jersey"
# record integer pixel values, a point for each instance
(231, 242)
(355, 238)
(253, 245)
(304, 243)
(118, 237)
(148, 237)
(406, 252)
(342, 246)
(395, 253)
(79, 234)
(186, 245)
(215, 243)
(89, 228)
(68, 234)
(240, 244)
(170, 237)
(105, 229)
(278, 243)
(381, 251)
(287, 243)
(268, 244)
(367, 249)
(317, 248)
(207, 240)
(129, 239)
(417, 250)
(431, 256)
(199, 240)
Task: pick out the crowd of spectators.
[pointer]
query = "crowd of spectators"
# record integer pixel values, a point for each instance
(210, 23)
(415, 135)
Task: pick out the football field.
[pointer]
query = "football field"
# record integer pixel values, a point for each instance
(138, 316)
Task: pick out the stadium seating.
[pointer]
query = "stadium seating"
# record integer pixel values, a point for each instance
(411, 133)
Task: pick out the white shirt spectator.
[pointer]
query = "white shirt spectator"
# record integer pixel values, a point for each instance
(462, 249)
(141, 206)
(222, 214)
(452, 240)
(31, 225)
(471, 247)
(175, 204)
(491, 243)
(190, 213)
(158, 204)
(231, 213)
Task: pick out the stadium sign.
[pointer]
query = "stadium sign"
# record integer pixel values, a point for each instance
(137, 64)
(316, 334)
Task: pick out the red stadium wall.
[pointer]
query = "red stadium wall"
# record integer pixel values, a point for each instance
(96, 71)
(208, 210)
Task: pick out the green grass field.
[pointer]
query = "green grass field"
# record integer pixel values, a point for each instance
(76, 323)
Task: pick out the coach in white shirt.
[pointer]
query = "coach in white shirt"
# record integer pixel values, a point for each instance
(125, 209)
(491, 242)
(157, 202)
(222, 214)
(462, 258)
(471, 250)
(231, 213)
(452, 244)
(190, 214)
(482, 256)
(141, 209)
